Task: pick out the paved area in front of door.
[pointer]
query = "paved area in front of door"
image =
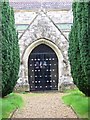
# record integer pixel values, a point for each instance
(44, 105)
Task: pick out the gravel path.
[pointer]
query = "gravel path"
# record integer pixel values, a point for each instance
(44, 105)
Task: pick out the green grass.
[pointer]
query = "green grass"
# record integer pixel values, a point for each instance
(79, 102)
(9, 104)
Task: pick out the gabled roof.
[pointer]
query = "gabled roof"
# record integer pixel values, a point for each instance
(43, 21)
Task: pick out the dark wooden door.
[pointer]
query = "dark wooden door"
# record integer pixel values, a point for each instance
(43, 69)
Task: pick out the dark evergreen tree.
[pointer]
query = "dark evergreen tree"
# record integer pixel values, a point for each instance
(79, 50)
(10, 50)
(0, 50)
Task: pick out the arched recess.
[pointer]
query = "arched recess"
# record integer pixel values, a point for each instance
(35, 44)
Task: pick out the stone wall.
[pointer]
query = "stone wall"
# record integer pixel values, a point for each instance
(43, 29)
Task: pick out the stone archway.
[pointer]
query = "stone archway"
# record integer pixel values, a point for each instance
(35, 44)
(42, 30)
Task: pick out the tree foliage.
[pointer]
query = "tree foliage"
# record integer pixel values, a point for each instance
(10, 50)
(79, 46)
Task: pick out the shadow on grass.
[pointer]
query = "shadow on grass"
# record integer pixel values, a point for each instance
(9, 103)
(79, 103)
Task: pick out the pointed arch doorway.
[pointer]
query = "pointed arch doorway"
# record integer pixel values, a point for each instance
(43, 69)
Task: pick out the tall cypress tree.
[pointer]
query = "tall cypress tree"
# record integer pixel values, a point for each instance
(10, 50)
(84, 44)
(74, 52)
(0, 50)
(79, 50)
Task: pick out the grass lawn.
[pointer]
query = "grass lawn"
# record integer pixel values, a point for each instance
(9, 104)
(79, 102)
